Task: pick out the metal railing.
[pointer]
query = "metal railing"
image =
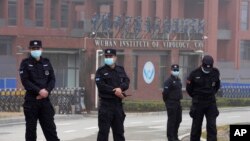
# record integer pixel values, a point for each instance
(64, 100)
(235, 90)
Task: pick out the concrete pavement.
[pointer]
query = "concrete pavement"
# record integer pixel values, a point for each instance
(138, 126)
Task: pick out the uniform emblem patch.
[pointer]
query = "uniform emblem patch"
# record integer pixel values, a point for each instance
(46, 72)
(213, 84)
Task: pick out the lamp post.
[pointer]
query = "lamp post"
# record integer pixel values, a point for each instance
(204, 39)
(200, 52)
(99, 53)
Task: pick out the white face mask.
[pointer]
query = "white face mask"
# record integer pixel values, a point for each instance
(206, 72)
(175, 73)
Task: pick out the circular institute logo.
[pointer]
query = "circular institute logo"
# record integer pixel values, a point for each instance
(148, 72)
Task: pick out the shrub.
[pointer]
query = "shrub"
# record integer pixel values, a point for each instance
(150, 106)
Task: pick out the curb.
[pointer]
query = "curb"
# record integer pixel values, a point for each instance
(21, 120)
(187, 135)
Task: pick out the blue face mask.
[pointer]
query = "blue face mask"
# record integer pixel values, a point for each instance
(109, 61)
(175, 73)
(36, 53)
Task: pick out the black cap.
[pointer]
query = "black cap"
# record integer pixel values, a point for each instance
(110, 52)
(175, 67)
(207, 62)
(35, 43)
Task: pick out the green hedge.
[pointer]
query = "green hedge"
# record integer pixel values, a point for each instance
(150, 106)
(144, 106)
(233, 102)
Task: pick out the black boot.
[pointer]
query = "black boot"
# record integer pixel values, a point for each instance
(176, 139)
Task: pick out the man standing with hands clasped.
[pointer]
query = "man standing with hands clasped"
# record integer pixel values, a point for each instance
(202, 85)
(38, 79)
(172, 94)
(112, 81)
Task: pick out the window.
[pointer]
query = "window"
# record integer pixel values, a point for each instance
(5, 45)
(64, 14)
(12, 12)
(135, 72)
(244, 15)
(245, 50)
(3, 49)
(66, 68)
(139, 8)
(245, 53)
(28, 13)
(188, 61)
(27, 9)
(1, 9)
(125, 8)
(120, 59)
(39, 12)
(164, 61)
(76, 22)
(54, 13)
(154, 8)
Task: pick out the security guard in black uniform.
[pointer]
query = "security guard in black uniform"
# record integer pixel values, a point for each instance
(112, 81)
(202, 85)
(172, 94)
(37, 76)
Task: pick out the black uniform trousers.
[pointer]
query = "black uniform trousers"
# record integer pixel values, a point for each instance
(43, 111)
(111, 114)
(174, 112)
(197, 112)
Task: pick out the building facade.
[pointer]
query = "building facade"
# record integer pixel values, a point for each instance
(149, 35)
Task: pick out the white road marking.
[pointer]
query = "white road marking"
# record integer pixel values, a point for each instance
(14, 123)
(157, 127)
(159, 121)
(233, 117)
(135, 140)
(69, 131)
(184, 135)
(138, 122)
(146, 131)
(89, 128)
(63, 124)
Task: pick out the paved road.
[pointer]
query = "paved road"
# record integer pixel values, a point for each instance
(138, 127)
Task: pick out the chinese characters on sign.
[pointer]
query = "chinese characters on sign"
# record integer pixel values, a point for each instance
(153, 27)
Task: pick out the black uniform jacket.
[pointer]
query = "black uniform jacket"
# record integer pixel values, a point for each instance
(203, 86)
(36, 75)
(107, 79)
(172, 89)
